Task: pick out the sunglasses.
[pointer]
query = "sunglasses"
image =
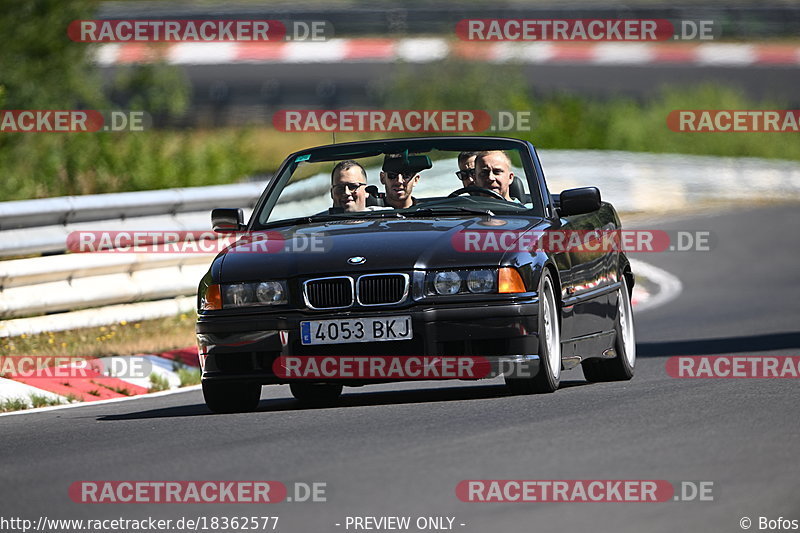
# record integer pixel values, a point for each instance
(465, 174)
(394, 176)
(351, 187)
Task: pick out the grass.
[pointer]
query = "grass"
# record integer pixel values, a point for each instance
(33, 401)
(124, 338)
(39, 166)
(13, 404)
(40, 400)
(189, 376)
(158, 383)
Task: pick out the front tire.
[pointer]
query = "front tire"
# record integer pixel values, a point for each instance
(231, 397)
(548, 378)
(621, 367)
(316, 394)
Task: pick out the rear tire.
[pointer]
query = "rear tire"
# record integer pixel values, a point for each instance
(548, 378)
(316, 394)
(231, 397)
(621, 367)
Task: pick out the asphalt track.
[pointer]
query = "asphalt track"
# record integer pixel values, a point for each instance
(401, 449)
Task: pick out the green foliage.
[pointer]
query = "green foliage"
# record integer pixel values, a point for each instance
(53, 164)
(158, 383)
(160, 89)
(189, 376)
(40, 400)
(40, 67)
(563, 120)
(13, 404)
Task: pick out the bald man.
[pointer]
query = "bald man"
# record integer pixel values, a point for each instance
(493, 172)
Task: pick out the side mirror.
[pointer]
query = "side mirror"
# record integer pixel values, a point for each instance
(579, 201)
(226, 220)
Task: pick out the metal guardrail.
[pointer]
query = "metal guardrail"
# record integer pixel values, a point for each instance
(42, 226)
(57, 282)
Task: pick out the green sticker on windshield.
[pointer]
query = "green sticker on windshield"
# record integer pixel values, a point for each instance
(302, 158)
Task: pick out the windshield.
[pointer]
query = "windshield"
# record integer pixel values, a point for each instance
(401, 180)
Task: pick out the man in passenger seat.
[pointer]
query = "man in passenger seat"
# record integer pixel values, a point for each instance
(399, 182)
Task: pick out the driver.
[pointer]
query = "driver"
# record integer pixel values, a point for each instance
(399, 181)
(493, 172)
(349, 186)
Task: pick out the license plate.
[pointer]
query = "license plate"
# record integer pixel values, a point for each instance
(395, 328)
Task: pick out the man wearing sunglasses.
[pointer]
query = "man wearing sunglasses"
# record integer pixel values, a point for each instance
(399, 181)
(466, 168)
(348, 186)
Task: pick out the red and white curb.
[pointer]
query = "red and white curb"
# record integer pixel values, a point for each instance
(92, 386)
(99, 389)
(424, 50)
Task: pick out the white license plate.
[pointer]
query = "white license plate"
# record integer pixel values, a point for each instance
(393, 328)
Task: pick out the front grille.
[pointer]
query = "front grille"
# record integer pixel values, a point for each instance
(329, 293)
(381, 289)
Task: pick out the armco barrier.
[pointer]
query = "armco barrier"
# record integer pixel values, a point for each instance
(71, 285)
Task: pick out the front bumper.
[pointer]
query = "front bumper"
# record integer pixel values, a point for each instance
(243, 347)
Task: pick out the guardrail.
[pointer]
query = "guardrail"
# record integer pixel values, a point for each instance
(55, 290)
(135, 285)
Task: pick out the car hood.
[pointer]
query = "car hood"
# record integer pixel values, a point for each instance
(385, 245)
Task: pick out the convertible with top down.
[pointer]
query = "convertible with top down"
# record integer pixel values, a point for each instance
(458, 273)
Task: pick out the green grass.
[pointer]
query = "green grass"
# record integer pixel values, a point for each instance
(33, 401)
(40, 400)
(189, 376)
(158, 383)
(13, 404)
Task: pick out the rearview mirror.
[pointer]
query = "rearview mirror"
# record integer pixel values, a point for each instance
(226, 220)
(579, 201)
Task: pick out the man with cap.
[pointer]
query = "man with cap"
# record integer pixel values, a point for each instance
(399, 179)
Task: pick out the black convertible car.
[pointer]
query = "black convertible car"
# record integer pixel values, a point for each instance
(426, 249)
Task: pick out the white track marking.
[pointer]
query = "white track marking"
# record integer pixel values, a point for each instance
(669, 285)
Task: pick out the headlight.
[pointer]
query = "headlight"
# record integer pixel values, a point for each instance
(482, 281)
(249, 294)
(447, 282)
(270, 293)
(237, 295)
(478, 281)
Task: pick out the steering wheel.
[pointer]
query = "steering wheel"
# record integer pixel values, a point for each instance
(472, 189)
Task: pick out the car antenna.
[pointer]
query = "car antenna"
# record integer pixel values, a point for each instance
(334, 136)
